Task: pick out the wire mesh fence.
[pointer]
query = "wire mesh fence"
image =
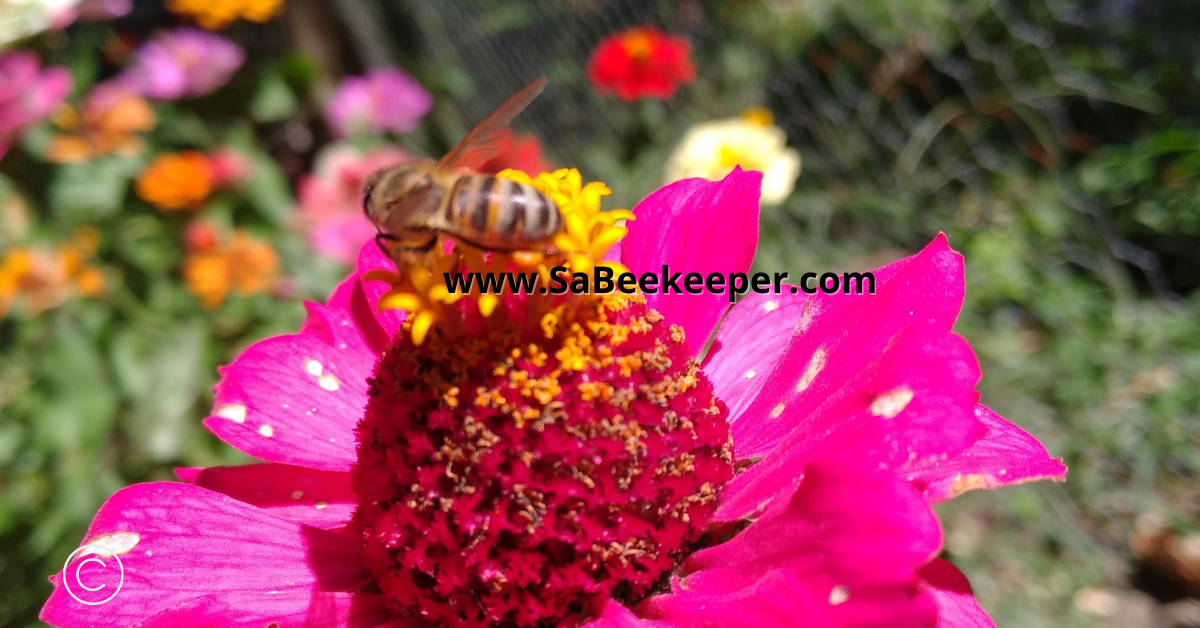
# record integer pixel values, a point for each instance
(920, 103)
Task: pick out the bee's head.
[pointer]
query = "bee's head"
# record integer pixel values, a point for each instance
(389, 186)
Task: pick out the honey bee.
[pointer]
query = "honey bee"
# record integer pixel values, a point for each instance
(412, 203)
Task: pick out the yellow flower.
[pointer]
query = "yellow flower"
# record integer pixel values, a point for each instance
(588, 233)
(421, 292)
(217, 14)
(711, 150)
(175, 181)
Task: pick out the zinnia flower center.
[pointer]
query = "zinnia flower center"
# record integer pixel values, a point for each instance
(521, 460)
(513, 475)
(639, 44)
(731, 156)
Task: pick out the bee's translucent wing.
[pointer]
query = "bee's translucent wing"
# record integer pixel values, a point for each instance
(487, 138)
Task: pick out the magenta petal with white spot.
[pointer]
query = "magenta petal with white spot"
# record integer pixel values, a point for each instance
(1004, 456)
(842, 333)
(181, 545)
(322, 499)
(749, 343)
(695, 226)
(844, 408)
(957, 607)
(912, 403)
(295, 399)
(852, 539)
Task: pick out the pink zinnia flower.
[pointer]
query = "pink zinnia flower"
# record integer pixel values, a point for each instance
(229, 166)
(577, 469)
(102, 10)
(331, 199)
(27, 93)
(183, 63)
(384, 100)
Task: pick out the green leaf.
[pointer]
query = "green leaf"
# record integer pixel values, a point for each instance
(268, 191)
(299, 71)
(274, 100)
(143, 241)
(160, 374)
(80, 402)
(88, 191)
(181, 128)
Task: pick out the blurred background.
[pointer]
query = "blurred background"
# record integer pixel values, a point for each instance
(176, 178)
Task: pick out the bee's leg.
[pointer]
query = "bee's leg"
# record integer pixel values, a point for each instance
(390, 246)
(381, 240)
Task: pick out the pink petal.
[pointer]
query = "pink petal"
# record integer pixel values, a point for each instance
(612, 615)
(178, 544)
(957, 607)
(351, 307)
(851, 538)
(1004, 456)
(371, 258)
(296, 399)
(614, 253)
(839, 334)
(322, 499)
(913, 403)
(749, 342)
(778, 600)
(287, 609)
(341, 236)
(695, 226)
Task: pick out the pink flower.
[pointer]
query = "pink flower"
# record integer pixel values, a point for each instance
(183, 63)
(588, 483)
(330, 200)
(228, 166)
(103, 10)
(27, 94)
(384, 100)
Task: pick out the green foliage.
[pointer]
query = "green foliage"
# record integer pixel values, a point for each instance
(103, 391)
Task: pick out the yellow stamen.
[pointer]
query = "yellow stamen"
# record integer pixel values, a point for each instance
(638, 44)
(760, 116)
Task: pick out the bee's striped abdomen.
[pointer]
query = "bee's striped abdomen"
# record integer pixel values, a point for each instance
(496, 212)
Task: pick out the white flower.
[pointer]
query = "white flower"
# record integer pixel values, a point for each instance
(710, 150)
(22, 18)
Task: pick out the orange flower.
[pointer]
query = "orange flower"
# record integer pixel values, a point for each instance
(112, 117)
(247, 266)
(43, 278)
(217, 14)
(175, 181)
